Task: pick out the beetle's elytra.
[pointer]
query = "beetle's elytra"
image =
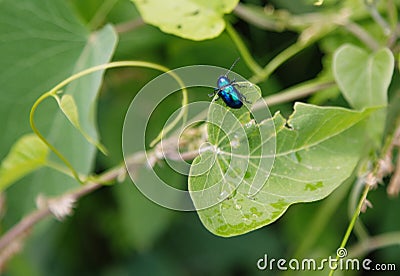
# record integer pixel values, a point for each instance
(227, 91)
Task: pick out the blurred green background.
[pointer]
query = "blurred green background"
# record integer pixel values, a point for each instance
(117, 231)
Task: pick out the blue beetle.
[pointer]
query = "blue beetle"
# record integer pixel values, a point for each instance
(227, 91)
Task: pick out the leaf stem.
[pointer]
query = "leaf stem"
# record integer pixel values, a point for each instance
(353, 221)
(359, 229)
(373, 243)
(259, 20)
(116, 64)
(322, 218)
(128, 26)
(371, 6)
(59, 167)
(101, 13)
(41, 137)
(244, 52)
(296, 92)
(362, 35)
(278, 60)
(19, 230)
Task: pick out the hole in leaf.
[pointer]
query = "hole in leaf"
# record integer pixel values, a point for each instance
(288, 126)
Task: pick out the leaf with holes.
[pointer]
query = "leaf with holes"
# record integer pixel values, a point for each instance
(191, 19)
(316, 150)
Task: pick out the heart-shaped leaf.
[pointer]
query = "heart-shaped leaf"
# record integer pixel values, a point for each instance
(316, 150)
(192, 19)
(362, 77)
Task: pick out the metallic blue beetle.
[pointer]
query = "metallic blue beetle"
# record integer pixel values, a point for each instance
(228, 92)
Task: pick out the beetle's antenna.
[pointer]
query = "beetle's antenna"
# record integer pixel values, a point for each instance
(230, 69)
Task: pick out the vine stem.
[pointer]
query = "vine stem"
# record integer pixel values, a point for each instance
(25, 224)
(297, 92)
(261, 74)
(372, 8)
(353, 221)
(362, 35)
(372, 243)
(244, 52)
(101, 13)
(128, 26)
(278, 60)
(50, 205)
(273, 24)
(376, 175)
(78, 75)
(48, 144)
(321, 219)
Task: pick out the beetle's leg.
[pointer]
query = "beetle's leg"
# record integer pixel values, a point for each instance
(216, 98)
(216, 90)
(243, 97)
(241, 84)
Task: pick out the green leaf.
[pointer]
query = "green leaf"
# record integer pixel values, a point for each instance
(363, 78)
(68, 107)
(238, 133)
(191, 19)
(316, 150)
(31, 32)
(35, 31)
(28, 154)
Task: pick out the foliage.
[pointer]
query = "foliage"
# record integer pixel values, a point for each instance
(315, 154)
(336, 145)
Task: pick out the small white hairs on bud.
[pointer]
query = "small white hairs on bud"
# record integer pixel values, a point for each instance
(60, 207)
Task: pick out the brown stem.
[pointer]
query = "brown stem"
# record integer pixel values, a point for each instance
(362, 35)
(47, 207)
(22, 227)
(393, 188)
(129, 26)
(373, 243)
(297, 92)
